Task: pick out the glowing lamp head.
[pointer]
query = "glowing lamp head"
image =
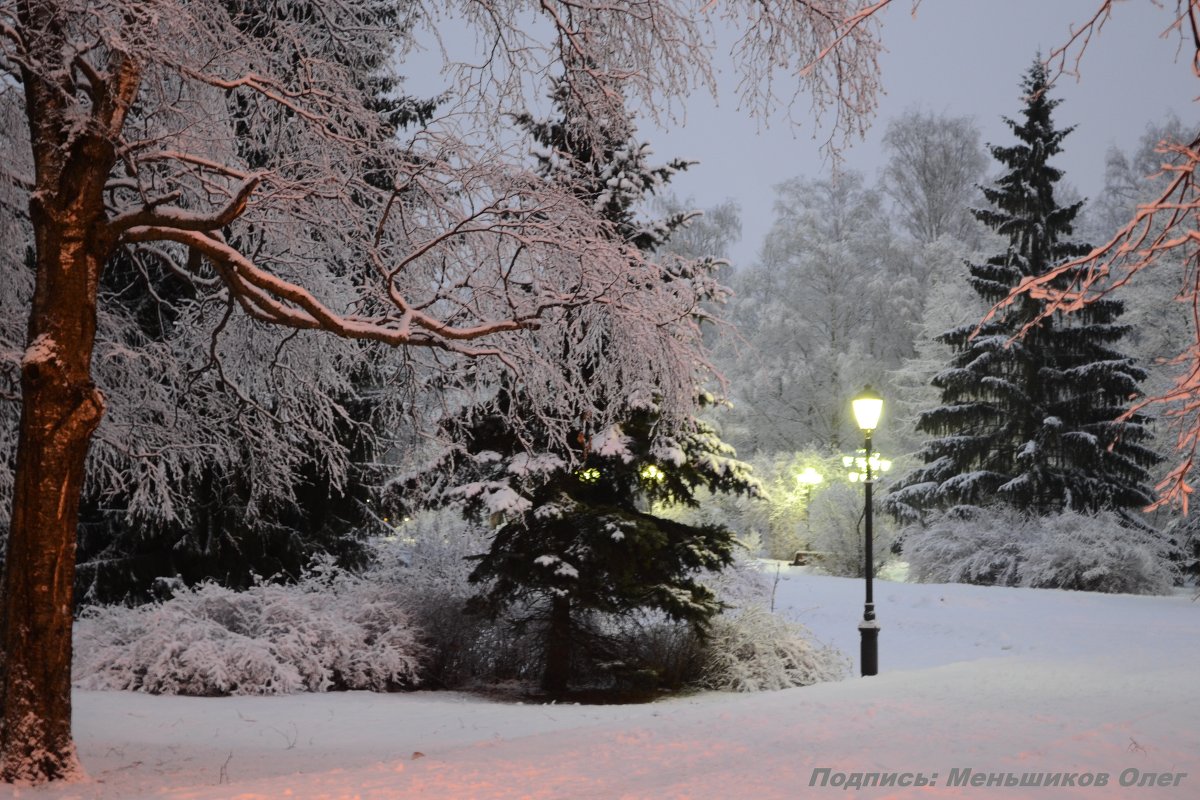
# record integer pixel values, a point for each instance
(809, 477)
(868, 406)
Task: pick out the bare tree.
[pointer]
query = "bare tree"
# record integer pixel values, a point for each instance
(934, 167)
(831, 304)
(140, 115)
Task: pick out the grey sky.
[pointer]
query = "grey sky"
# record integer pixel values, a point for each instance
(962, 57)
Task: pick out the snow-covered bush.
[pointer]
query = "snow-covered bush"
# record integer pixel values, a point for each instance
(654, 650)
(331, 630)
(1070, 550)
(751, 649)
(748, 647)
(430, 569)
(835, 519)
(976, 547)
(1097, 554)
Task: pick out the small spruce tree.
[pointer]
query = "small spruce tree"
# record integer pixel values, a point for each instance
(576, 537)
(1035, 421)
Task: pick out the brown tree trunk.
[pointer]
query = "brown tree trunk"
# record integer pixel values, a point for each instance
(60, 408)
(558, 646)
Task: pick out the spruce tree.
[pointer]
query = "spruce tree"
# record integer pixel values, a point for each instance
(1033, 421)
(576, 535)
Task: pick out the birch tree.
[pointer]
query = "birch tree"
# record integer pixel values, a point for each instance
(138, 118)
(935, 164)
(831, 305)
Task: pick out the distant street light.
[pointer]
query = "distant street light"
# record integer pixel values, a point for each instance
(805, 482)
(868, 406)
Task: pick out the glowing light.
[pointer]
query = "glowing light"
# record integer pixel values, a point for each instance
(652, 473)
(868, 405)
(856, 465)
(809, 477)
(588, 475)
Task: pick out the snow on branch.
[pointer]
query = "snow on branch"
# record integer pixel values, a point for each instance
(1164, 226)
(1161, 229)
(660, 51)
(250, 159)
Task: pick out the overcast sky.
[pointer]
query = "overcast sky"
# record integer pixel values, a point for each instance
(961, 57)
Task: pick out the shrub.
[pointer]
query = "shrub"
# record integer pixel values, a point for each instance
(752, 649)
(1097, 554)
(748, 648)
(979, 548)
(329, 631)
(1003, 546)
(430, 569)
(404, 618)
(835, 518)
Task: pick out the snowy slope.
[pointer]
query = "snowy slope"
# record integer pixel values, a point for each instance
(995, 680)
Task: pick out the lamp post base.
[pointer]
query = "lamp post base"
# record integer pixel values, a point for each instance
(869, 654)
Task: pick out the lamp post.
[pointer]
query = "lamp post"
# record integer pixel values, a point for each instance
(868, 406)
(805, 482)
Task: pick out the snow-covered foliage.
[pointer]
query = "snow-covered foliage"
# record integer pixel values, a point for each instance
(1008, 547)
(949, 303)
(753, 650)
(835, 522)
(429, 564)
(749, 648)
(831, 306)
(771, 523)
(934, 168)
(329, 631)
(241, 148)
(404, 623)
(448, 239)
(574, 534)
(1158, 320)
(16, 285)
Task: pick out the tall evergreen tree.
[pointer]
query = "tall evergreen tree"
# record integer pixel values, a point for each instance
(576, 534)
(1032, 421)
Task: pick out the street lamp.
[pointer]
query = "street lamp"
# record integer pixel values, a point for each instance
(868, 405)
(805, 482)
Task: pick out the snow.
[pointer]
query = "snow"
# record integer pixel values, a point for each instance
(524, 464)
(612, 443)
(997, 680)
(42, 350)
(497, 497)
(560, 567)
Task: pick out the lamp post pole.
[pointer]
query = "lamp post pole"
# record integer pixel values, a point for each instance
(868, 406)
(869, 628)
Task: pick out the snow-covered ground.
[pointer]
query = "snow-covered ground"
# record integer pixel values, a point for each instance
(1046, 685)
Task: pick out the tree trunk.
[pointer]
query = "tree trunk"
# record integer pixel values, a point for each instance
(60, 409)
(558, 646)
